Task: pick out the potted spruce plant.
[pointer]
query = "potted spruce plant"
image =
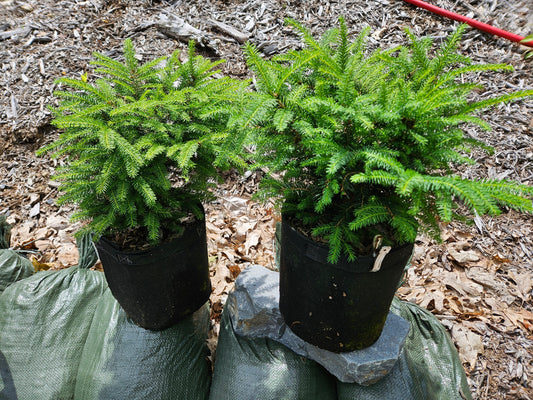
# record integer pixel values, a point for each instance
(139, 150)
(360, 147)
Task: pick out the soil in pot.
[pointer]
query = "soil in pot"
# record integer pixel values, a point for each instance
(159, 286)
(338, 307)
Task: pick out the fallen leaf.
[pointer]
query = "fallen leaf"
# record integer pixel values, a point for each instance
(42, 245)
(229, 255)
(28, 245)
(464, 256)
(56, 222)
(68, 254)
(212, 228)
(486, 279)
(524, 283)
(13, 219)
(456, 305)
(42, 233)
(461, 284)
(436, 299)
(521, 318)
(22, 233)
(468, 343)
(242, 228)
(39, 266)
(236, 205)
(223, 277)
(500, 259)
(252, 240)
(234, 271)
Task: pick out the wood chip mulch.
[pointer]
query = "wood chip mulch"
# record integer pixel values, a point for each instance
(478, 281)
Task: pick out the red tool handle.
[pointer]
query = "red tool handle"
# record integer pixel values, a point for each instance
(472, 22)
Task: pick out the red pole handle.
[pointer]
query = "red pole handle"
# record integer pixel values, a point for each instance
(472, 22)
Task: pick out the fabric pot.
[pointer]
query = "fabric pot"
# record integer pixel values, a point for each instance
(429, 367)
(159, 286)
(338, 307)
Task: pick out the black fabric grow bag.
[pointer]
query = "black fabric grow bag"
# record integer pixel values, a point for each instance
(162, 285)
(338, 307)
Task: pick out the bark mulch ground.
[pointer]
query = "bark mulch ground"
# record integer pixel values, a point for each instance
(478, 281)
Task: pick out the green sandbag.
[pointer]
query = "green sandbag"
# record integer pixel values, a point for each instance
(396, 385)
(428, 369)
(123, 361)
(247, 369)
(13, 266)
(44, 323)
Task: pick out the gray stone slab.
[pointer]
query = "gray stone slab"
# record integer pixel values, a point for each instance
(254, 310)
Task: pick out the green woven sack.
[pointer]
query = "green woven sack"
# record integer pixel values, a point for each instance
(13, 266)
(44, 323)
(122, 361)
(249, 369)
(428, 369)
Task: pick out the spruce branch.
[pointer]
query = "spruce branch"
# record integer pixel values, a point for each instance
(126, 132)
(363, 142)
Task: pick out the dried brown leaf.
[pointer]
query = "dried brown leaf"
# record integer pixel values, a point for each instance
(237, 206)
(433, 300)
(463, 256)
(461, 284)
(469, 344)
(524, 283)
(252, 240)
(487, 279)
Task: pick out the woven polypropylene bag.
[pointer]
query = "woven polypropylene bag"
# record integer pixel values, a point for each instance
(44, 322)
(262, 369)
(124, 361)
(428, 369)
(13, 268)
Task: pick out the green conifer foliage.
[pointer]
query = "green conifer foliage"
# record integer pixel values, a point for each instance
(361, 143)
(125, 134)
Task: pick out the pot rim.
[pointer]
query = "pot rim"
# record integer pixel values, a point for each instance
(319, 252)
(163, 250)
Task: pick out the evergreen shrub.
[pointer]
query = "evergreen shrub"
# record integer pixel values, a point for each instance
(362, 144)
(141, 145)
